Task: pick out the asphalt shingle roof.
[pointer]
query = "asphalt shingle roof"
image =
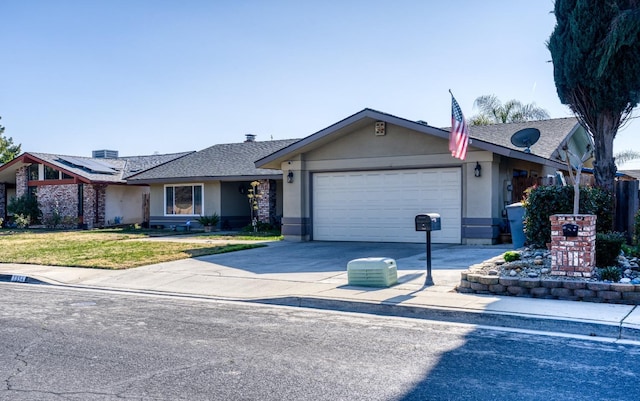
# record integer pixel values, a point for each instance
(218, 161)
(123, 167)
(552, 133)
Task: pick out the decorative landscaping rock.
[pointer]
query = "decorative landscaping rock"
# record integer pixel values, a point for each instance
(531, 276)
(508, 281)
(540, 292)
(622, 287)
(599, 286)
(575, 285)
(488, 280)
(550, 283)
(529, 282)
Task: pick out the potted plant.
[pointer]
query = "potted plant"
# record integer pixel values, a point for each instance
(208, 222)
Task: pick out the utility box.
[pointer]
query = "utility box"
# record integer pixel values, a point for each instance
(372, 272)
(428, 222)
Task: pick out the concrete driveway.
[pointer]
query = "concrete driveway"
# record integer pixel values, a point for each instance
(279, 269)
(322, 256)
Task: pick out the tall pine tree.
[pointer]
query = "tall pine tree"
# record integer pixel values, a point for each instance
(595, 49)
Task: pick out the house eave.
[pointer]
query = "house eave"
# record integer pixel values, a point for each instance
(171, 180)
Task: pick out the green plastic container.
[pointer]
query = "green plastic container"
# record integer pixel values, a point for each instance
(372, 272)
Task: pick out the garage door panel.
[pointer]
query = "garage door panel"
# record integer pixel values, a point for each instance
(381, 205)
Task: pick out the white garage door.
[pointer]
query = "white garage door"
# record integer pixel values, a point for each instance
(381, 206)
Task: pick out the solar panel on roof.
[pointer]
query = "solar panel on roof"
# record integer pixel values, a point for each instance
(91, 165)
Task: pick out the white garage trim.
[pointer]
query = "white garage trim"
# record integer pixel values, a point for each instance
(381, 206)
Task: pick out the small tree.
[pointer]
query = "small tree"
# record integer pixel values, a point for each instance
(254, 196)
(595, 49)
(575, 179)
(25, 206)
(8, 151)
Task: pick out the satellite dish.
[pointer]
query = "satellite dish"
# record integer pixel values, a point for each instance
(525, 138)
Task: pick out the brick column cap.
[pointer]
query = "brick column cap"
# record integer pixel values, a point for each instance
(573, 216)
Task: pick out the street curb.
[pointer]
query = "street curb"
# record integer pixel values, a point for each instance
(481, 318)
(451, 315)
(630, 332)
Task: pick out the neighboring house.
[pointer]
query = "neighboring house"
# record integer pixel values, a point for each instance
(365, 178)
(628, 174)
(215, 180)
(90, 191)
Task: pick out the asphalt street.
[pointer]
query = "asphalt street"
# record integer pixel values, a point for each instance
(70, 344)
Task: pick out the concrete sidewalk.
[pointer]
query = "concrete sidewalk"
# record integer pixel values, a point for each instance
(314, 275)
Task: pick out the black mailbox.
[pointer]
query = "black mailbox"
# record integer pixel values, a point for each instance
(570, 230)
(428, 222)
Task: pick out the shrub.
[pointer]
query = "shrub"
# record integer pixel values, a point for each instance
(25, 205)
(611, 273)
(212, 220)
(53, 219)
(608, 246)
(631, 250)
(511, 256)
(542, 202)
(261, 227)
(22, 221)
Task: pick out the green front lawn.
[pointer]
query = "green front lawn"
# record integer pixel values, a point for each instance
(107, 249)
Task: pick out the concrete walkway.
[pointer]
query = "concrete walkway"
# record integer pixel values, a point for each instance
(313, 274)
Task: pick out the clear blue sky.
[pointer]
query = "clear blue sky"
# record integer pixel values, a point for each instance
(145, 76)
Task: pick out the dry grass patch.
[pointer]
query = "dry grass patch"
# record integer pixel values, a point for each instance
(98, 249)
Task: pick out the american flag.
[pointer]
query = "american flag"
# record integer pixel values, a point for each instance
(459, 136)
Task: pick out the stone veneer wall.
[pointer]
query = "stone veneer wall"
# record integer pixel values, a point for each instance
(94, 205)
(65, 199)
(61, 197)
(101, 194)
(573, 256)
(267, 203)
(22, 182)
(565, 289)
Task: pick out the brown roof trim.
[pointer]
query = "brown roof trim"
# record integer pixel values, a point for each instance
(28, 158)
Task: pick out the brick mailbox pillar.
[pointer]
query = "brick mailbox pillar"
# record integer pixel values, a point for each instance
(573, 252)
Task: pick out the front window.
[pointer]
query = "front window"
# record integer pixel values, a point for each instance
(183, 199)
(33, 172)
(51, 173)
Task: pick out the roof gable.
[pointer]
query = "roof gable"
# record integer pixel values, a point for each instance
(554, 133)
(88, 169)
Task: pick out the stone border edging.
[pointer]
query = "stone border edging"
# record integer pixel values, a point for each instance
(568, 290)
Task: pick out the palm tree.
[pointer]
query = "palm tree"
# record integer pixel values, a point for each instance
(492, 111)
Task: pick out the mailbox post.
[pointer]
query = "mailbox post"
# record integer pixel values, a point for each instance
(428, 222)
